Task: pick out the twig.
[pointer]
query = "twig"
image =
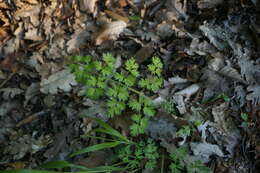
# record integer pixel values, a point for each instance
(6, 80)
(30, 118)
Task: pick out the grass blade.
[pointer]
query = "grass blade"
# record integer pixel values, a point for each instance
(33, 171)
(96, 147)
(103, 169)
(61, 164)
(110, 130)
(99, 169)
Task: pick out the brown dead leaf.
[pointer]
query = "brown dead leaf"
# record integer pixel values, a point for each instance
(88, 5)
(3, 34)
(3, 4)
(110, 31)
(116, 16)
(32, 34)
(65, 11)
(32, 2)
(122, 3)
(17, 165)
(144, 53)
(4, 19)
(202, 4)
(28, 10)
(123, 123)
(78, 40)
(9, 63)
(95, 159)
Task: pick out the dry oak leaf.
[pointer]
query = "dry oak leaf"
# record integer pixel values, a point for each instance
(254, 94)
(116, 16)
(203, 4)
(3, 34)
(10, 62)
(88, 5)
(61, 80)
(110, 31)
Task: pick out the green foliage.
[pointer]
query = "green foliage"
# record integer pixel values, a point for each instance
(198, 167)
(156, 66)
(126, 88)
(180, 163)
(97, 147)
(151, 83)
(178, 159)
(130, 154)
(139, 125)
(223, 96)
(122, 88)
(187, 130)
(65, 164)
(184, 131)
(135, 18)
(169, 106)
(133, 155)
(179, 154)
(244, 117)
(132, 67)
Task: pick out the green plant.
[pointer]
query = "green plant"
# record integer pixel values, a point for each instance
(180, 162)
(133, 155)
(244, 117)
(135, 18)
(130, 154)
(177, 157)
(187, 130)
(169, 106)
(122, 88)
(223, 96)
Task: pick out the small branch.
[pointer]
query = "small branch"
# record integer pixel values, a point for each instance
(9, 77)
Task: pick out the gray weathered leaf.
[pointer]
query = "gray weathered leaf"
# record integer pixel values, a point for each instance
(204, 150)
(217, 35)
(254, 96)
(88, 5)
(250, 71)
(78, 39)
(111, 31)
(220, 117)
(61, 80)
(10, 92)
(23, 144)
(231, 73)
(240, 95)
(6, 107)
(32, 90)
(214, 83)
(204, 4)
(160, 128)
(97, 109)
(229, 141)
(179, 100)
(189, 91)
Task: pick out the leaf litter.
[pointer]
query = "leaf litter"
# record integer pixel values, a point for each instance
(211, 72)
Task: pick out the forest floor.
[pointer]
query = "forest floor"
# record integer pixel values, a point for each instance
(211, 76)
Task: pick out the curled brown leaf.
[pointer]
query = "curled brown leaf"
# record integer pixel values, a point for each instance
(110, 31)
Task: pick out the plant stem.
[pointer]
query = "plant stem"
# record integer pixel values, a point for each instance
(96, 137)
(162, 164)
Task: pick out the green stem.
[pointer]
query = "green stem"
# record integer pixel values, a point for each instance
(137, 92)
(131, 89)
(96, 137)
(162, 164)
(117, 164)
